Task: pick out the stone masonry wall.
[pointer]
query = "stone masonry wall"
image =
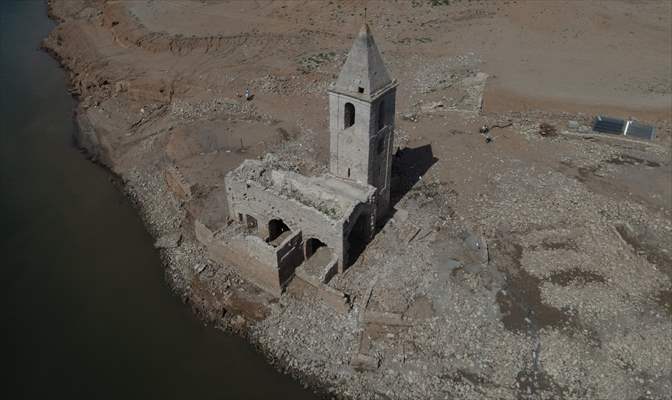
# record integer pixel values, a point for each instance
(250, 198)
(236, 252)
(349, 147)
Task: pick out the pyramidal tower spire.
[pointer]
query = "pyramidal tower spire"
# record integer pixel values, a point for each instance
(364, 71)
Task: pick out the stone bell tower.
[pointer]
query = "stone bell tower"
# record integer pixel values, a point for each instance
(361, 119)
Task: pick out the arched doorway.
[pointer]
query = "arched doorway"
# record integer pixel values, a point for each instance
(276, 227)
(312, 245)
(348, 115)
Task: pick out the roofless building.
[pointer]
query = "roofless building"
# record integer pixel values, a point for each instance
(319, 224)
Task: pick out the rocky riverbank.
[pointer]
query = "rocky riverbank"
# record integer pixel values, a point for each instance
(186, 265)
(534, 265)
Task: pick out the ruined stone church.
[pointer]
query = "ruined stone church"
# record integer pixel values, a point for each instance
(320, 224)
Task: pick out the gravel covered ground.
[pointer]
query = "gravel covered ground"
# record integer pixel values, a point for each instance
(563, 306)
(536, 264)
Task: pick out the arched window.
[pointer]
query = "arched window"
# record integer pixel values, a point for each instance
(349, 116)
(381, 115)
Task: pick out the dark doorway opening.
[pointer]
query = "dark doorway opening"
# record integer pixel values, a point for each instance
(348, 116)
(276, 228)
(357, 239)
(312, 245)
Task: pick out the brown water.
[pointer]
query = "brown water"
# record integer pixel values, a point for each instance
(88, 313)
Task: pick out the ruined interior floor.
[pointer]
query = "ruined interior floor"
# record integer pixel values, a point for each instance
(573, 296)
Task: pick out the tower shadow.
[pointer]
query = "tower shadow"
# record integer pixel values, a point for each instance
(408, 165)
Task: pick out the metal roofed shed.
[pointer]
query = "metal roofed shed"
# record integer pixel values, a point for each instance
(616, 126)
(638, 130)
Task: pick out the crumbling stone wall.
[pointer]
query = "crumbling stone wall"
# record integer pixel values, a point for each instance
(339, 213)
(264, 265)
(250, 198)
(289, 255)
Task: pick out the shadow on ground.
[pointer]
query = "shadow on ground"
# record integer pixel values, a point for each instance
(408, 166)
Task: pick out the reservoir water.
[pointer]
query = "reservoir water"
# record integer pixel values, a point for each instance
(89, 315)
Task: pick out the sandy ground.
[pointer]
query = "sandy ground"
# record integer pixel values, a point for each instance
(572, 299)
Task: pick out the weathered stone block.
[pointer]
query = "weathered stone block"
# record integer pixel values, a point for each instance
(203, 234)
(177, 184)
(169, 241)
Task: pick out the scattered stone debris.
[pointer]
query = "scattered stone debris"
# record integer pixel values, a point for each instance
(169, 241)
(546, 129)
(413, 117)
(571, 299)
(312, 62)
(199, 268)
(364, 362)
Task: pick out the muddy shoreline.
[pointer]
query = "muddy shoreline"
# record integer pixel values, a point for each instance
(534, 319)
(84, 138)
(210, 316)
